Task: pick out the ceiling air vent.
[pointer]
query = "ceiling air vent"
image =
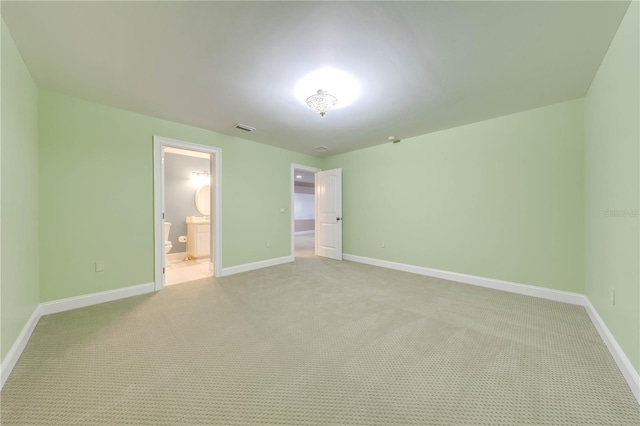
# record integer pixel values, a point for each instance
(245, 127)
(321, 148)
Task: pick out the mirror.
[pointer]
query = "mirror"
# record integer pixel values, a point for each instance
(203, 200)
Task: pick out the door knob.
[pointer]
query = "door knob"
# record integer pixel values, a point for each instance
(338, 218)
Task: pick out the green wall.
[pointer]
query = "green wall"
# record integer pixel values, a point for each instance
(502, 199)
(19, 194)
(612, 177)
(96, 190)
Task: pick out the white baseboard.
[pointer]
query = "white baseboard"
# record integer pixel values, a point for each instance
(304, 232)
(18, 346)
(256, 265)
(61, 305)
(622, 361)
(528, 290)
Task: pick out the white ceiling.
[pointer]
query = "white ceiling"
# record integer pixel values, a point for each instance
(422, 66)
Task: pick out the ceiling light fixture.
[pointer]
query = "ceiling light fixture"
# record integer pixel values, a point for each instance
(333, 84)
(322, 102)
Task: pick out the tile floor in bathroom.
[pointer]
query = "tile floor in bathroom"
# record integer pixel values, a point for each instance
(179, 271)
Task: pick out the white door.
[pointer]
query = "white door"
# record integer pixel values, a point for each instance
(329, 214)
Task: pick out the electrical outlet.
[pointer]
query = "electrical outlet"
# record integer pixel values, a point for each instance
(99, 266)
(612, 296)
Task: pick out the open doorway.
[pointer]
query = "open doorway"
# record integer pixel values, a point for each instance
(187, 215)
(187, 222)
(303, 210)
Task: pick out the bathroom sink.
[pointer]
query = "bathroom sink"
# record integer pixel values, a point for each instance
(198, 219)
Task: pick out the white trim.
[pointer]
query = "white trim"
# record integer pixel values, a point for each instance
(622, 361)
(528, 290)
(256, 265)
(69, 303)
(305, 232)
(159, 143)
(158, 200)
(18, 346)
(295, 167)
(46, 308)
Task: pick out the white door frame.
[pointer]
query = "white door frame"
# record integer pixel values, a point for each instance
(295, 167)
(159, 143)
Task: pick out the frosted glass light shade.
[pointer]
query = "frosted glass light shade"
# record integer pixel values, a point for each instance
(322, 102)
(339, 84)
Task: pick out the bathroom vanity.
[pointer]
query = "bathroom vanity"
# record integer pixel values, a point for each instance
(198, 237)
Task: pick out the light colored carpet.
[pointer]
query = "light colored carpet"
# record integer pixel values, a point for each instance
(319, 342)
(305, 245)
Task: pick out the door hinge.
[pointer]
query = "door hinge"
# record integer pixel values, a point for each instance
(163, 270)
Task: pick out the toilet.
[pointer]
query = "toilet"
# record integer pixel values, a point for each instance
(167, 243)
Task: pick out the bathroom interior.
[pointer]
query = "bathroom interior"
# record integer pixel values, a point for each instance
(304, 213)
(187, 209)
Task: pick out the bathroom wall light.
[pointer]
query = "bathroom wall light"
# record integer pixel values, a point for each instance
(199, 179)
